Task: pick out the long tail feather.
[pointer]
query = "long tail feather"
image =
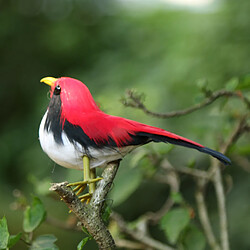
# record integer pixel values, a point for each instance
(216, 154)
(181, 141)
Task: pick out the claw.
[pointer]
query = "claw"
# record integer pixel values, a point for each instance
(81, 189)
(86, 197)
(84, 182)
(89, 179)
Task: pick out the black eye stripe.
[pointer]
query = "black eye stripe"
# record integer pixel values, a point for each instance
(57, 90)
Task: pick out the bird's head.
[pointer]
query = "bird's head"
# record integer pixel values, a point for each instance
(73, 95)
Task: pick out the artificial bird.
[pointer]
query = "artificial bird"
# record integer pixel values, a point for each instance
(75, 133)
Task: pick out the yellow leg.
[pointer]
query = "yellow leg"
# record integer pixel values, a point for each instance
(92, 177)
(86, 168)
(89, 179)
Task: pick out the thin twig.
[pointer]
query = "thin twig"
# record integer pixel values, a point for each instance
(197, 173)
(221, 200)
(25, 242)
(203, 215)
(138, 235)
(171, 178)
(90, 214)
(218, 183)
(203, 177)
(127, 244)
(137, 103)
(241, 128)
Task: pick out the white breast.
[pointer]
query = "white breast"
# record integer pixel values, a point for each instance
(70, 155)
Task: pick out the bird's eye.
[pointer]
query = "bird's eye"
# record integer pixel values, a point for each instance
(57, 90)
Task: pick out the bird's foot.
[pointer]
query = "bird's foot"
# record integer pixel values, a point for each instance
(89, 179)
(83, 183)
(80, 186)
(85, 197)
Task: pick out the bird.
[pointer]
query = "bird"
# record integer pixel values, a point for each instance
(75, 133)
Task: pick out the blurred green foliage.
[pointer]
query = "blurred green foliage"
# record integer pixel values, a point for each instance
(163, 53)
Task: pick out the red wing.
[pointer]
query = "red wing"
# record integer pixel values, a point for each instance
(102, 128)
(106, 130)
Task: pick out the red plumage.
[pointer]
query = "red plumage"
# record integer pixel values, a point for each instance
(74, 113)
(81, 110)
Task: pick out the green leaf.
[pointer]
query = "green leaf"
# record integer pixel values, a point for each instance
(232, 84)
(176, 197)
(33, 215)
(244, 83)
(202, 84)
(85, 230)
(191, 163)
(14, 239)
(4, 233)
(44, 242)
(173, 222)
(193, 239)
(82, 243)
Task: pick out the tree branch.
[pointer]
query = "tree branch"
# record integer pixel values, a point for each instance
(122, 243)
(138, 234)
(197, 173)
(170, 178)
(135, 102)
(203, 215)
(221, 200)
(215, 172)
(202, 177)
(90, 214)
(241, 128)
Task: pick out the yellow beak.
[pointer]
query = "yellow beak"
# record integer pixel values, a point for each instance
(48, 80)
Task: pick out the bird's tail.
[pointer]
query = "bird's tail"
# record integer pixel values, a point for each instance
(160, 135)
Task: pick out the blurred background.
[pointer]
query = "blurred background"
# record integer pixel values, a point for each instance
(161, 48)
